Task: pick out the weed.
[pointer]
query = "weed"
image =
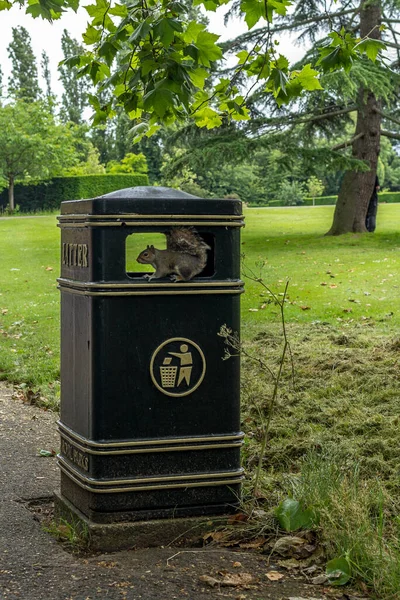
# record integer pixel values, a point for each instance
(74, 535)
(354, 518)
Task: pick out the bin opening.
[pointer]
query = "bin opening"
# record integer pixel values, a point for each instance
(137, 242)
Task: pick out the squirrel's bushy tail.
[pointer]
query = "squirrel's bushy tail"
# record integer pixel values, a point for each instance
(188, 241)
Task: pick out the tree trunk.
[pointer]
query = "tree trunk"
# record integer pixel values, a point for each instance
(356, 189)
(11, 204)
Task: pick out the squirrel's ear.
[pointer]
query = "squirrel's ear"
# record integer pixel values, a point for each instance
(148, 247)
(151, 247)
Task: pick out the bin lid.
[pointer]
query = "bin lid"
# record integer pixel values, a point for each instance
(152, 200)
(148, 191)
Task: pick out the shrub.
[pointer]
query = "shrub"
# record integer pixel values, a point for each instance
(291, 193)
(389, 197)
(48, 195)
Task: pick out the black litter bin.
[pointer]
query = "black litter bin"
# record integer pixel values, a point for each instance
(150, 423)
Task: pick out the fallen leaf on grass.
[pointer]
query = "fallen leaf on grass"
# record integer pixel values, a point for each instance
(274, 575)
(333, 286)
(237, 565)
(319, 579)
(253, 309)
(219, 537)
(292, 546)
(239, 517)
(4, 311)
(49, 268)
(347, 310)
(305, 307)
(323, 283)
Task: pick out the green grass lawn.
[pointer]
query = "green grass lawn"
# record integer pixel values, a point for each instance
(338, 408)
(346, 279)
(350, 277)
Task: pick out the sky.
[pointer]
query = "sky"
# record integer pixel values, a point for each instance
(47, 36)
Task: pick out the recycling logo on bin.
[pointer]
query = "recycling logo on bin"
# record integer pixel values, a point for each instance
(177, 367)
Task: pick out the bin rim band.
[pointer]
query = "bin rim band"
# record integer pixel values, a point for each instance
(148, 443)
(85, 483)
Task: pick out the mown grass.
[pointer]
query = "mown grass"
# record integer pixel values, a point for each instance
(350, 277)
(338, 409)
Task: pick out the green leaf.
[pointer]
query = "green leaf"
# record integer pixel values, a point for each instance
(5, 5)
(36, 10)
(277, 81)
(165, 29)
(140, 32)
(291, 516)
(97, 11)
(91, 35)
(148, 66)
(370, 47)
(282, 63)
(107, 51)
(338, 571)
(192, 31)
(98, 71)
(158, 100)
(308, 78)
(119, 10)
(198, 77)
(207, 117)
(207, 49)
(253, 11)
(243, 55)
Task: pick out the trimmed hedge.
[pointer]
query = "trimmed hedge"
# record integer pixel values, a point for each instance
(48, 195)
(389, 197)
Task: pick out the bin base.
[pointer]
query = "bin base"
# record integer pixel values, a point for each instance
(123, 535)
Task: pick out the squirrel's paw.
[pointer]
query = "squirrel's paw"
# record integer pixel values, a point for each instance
(148, 276)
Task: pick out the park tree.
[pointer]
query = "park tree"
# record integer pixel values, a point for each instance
(23, 82)
(75, 95)
(45, 66)
(315, 187)
(131, 163)
(32, 144)
(168, 74)
(353, 110)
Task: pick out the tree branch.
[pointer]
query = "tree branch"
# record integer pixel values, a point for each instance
(297, 121)
(348, 142)
(386, 116)
(316, 19)
(392, 45)
(390, 134)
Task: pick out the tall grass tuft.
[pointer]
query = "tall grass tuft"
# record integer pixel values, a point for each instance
(356, 519)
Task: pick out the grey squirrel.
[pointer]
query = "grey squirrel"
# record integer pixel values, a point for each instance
(185, 256)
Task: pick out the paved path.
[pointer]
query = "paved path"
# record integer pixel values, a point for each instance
(34, 566)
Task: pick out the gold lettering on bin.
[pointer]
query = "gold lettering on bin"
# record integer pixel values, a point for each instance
(75, 255)
(80, 459)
